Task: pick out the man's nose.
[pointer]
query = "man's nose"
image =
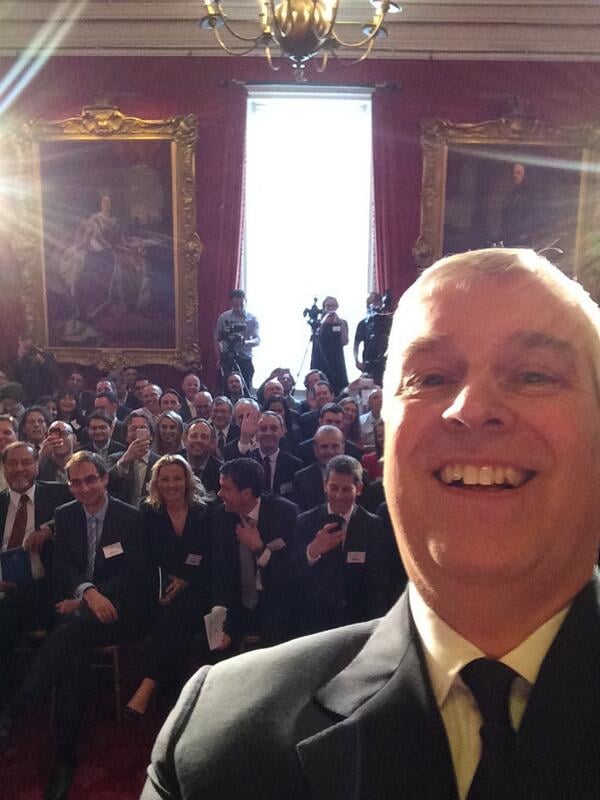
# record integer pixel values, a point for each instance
(479, 403)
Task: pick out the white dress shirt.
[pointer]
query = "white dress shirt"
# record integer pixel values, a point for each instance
(446, 653)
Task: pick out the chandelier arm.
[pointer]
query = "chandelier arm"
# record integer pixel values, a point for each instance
(223, 18)
(275, 22)
(364, 56)
(270, 60)
(323, 65)
(232, 52)
(334, 13)
(378, 22)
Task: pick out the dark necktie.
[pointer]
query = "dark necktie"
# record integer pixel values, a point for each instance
(19, 527)
(221, 444)
(268, 475)
(248, 572)
(490, 682)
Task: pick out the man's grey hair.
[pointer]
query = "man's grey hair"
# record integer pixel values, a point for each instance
(345, 465)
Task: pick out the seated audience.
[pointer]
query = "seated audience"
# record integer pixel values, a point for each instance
(199, 440)
(311, 377)
(234, 388)
(168, 439)
(33, 426)
(190, 387)
(151, 401)
(176, 525)
(102, 581)
(322, 393)
(35, 369)
(48, 403)
(130, 472)
(134, 396)
(12, 396)
(56, 450)
(252, 539)
(342, 554)
(279, 404)
(308, 482)
(67, 410)
(106, 400)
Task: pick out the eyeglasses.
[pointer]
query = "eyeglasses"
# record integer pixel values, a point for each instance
(78, 483)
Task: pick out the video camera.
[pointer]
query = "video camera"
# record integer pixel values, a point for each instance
(232, 338)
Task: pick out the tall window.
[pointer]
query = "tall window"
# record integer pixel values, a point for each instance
(308, 216)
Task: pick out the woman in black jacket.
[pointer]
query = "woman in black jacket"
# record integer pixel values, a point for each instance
(176, 521)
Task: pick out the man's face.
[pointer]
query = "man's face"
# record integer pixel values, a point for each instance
(168, 430)
(203, 404)
(287, 382)
(518, 174)
(332, 418)
(311, 379)
(150, 398)
(235, 500)
(493, 440)
(240, 410)
(62, 434)
(198, 440)
(130, 376)
(104, 404)
(237, 304)
(75, 382)
(139, 386)
(20, 469)
(234, 384)
(104, 386)
(328, 444)
(190, 386)
(87, 486)
(221, 415)
(273, 389)
(322, 395)
(137, 424)
(375, 402)
(99, 432)
(7, 434)
(169, 402)
(35, 427)
(341, 492)
(268, 433)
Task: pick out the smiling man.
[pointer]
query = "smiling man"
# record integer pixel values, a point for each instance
(482, 681)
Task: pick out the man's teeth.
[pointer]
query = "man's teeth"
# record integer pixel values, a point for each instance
(483, 476)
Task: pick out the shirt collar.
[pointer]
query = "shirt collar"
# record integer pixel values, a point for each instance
(447, 652)
(272, 458)
(253, 513)
(100, 514)
(15, 497)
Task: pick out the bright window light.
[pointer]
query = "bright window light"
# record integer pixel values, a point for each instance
(308, 217)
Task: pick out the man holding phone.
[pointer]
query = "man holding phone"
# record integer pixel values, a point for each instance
(343, 555)
(130, 473)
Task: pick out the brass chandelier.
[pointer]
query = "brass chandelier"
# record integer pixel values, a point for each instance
(301, 29)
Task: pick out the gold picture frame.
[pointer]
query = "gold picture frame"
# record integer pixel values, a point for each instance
(463, 161)
(107, 240)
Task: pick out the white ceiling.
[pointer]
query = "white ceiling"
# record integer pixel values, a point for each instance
(473, 29)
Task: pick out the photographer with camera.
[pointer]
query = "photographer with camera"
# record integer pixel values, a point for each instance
(36, 369)
(236, 334)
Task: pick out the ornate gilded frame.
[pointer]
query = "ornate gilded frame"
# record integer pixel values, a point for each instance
(438, 136)
(96, 124)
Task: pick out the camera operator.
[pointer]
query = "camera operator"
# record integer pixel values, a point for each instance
(236, 333)
(36, 369)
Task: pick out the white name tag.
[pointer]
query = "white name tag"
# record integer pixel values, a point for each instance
(193, 560)
(276, 544)
(285, 488)
(353, 557)
(112, 550)
(336, 328)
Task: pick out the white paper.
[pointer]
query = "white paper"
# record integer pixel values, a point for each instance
(213, 622)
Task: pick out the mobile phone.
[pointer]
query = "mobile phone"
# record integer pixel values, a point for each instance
(337, 518)
(142, 433)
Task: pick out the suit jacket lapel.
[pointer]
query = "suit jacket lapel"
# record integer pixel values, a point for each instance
(385, 724)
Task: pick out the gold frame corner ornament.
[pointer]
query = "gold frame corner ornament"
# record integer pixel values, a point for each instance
(437, 136)
(101, 123)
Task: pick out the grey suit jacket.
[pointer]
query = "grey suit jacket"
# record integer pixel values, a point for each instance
(349, 715)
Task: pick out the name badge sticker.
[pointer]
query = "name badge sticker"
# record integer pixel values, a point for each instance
(354, 557)
(112, 550)
(286, 488)
(193, 560)
(276, 544)
(336, 328)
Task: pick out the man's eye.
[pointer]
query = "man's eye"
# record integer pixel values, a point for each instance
(537, 377)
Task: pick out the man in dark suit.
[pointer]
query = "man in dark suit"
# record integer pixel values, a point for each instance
(330, 414)
(101, 580)
(190, 387)
(260, 437)
(308, 490)
(56, 450)
(252, 541)
(482, 681)
(26, 508)
(225, 430)
(322, 393)
(99, 429)
(343, 555)
(199, 442)
(131, 471)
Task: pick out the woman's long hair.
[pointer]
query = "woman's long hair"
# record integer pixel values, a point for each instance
(195, 493)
